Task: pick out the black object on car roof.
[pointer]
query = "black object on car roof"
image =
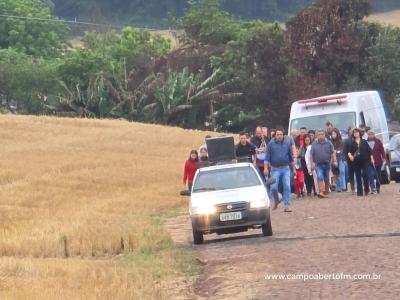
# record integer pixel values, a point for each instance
(221, 149)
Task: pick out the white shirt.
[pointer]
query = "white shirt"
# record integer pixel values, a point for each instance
(308, 159)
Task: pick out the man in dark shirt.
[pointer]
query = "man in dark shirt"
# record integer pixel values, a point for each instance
(279, 159)
(244, 149)
(299, 141)
(323, 154)
(329, 130)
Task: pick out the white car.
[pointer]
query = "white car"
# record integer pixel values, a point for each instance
(228, 198)
(394, 156)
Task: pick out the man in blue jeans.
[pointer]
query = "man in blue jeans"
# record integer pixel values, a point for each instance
(279, 159)
(323, 155)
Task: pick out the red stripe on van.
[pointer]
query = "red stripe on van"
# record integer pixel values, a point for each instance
(323, 99)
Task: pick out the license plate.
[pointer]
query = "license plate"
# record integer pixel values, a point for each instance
(397, 169)
(230, 216)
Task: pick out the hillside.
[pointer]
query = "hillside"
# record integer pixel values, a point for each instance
(82, 205)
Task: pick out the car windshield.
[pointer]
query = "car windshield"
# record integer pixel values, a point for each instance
(342, 121)
(223, 179)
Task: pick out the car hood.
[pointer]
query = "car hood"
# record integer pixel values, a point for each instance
(247, 194)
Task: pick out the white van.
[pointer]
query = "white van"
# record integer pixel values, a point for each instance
(343, 111)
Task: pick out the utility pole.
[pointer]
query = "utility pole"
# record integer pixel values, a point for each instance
(212, 116)
(125, 75)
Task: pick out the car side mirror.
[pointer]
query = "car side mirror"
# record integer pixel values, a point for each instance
(270, 181)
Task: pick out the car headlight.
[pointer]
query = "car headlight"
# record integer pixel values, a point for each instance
(258, 203)
(204, 209)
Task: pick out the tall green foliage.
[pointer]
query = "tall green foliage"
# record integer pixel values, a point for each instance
(24, 80)
(382, 67)
(205, 22)
(257, 59)
(256, 70)
(101, 67)
(325, 47)
(31, 36)
(172, 98)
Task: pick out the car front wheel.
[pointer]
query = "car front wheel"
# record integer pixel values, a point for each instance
(197, 236)
(385, 175)
(267, 227)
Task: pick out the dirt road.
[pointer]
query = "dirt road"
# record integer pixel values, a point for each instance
(342, 234)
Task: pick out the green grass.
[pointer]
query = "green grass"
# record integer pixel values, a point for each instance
(163, 258)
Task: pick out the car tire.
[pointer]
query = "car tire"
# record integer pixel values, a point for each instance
(385, 175)
(267, 227)
(197, 237)
(394, 175)
(395, 178)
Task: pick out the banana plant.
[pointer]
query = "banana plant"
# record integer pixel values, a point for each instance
(94, 101)
(181, 92)
(171, 98)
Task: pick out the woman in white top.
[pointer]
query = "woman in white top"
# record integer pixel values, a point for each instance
(310, 176)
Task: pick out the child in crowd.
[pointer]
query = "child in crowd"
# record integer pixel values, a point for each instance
(203, 154)
(300, 164)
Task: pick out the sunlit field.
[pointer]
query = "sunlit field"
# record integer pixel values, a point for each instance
(82, 205)
(391, 17)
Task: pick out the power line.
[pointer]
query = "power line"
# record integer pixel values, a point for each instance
(73, 22)
(80, 23)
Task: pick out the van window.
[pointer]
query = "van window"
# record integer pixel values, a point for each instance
(375, 119)
(362, 119)
(342, 121)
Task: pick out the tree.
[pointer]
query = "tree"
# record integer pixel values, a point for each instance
(381, 69)
(40, 38)
(206, 23)
(171, 98)
(180, 98)
(257, 60)
(94, 79)
(324, 46)
(24, 80)
(112, 52)
(136, 47)
(94, 102)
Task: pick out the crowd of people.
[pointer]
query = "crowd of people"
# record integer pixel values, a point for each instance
(307, 162)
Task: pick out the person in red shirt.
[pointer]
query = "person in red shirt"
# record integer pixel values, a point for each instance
(191, 166)
(301, 153)
(299, 140)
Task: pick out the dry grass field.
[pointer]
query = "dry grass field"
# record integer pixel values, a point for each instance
(391, 17)
(82, 204)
